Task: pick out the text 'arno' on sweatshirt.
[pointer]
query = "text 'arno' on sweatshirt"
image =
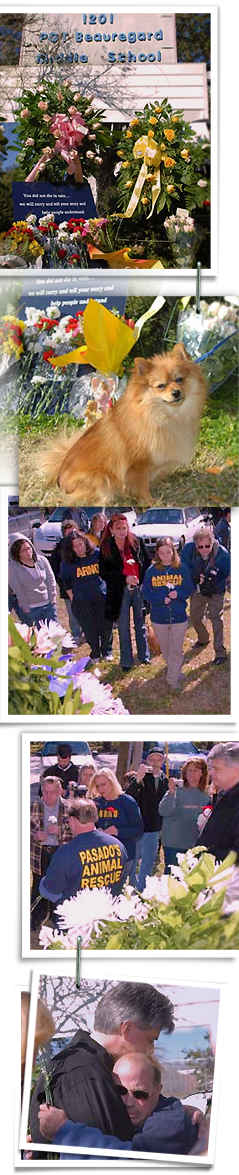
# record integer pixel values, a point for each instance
(82, 577)
(124, 813)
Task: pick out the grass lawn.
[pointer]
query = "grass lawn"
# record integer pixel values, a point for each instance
(212, 476)
(205, 688)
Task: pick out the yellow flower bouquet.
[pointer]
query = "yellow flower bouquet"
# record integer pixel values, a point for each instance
(161, 161)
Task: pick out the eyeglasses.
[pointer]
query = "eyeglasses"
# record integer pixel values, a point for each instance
(139, 1094)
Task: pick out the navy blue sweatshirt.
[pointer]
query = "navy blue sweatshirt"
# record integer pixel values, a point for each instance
(168, 1130)
(90, 860)
(125, 814)
(82, 576)
(156, 586)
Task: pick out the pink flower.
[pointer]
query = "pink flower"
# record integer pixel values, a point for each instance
(72, 110)
(29, 142)
(76, 97)
(90, 155)
(42, 105)
(99, 160)
(46, 117)
(25, 112)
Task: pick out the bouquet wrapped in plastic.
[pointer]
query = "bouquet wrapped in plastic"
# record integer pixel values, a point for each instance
(210, 335)
(108, 339)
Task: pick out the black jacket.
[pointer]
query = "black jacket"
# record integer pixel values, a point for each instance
(111, 570)
(221, 833)
(55, 559)
(66, 775)
(148, 796)
(82, 1085)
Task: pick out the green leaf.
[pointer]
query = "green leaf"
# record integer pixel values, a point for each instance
(86, 708)
(115, 942)
(161, 202)
(176, 890)
(18, 640)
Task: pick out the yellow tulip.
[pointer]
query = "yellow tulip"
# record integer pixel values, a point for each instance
(121, 154)
(158, 109)
(128, 134)
(153, 120)
(185, 155)
(175, 118)
(134, 122)
(150, 134)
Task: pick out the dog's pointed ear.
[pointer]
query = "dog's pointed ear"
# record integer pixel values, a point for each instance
(180, 351)
(141, 366)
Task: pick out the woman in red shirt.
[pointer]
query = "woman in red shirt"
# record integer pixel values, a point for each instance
(122, 564)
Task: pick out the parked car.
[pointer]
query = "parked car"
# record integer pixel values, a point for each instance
(177, 754)
(80, 753)
(180, 524)
(48, 534)
(22, 520)
(129, 514)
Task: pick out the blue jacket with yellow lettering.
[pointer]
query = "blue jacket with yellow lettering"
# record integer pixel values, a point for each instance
(156, 586)
(92, 860)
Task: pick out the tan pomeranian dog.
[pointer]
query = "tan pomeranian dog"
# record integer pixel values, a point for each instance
(146, 435)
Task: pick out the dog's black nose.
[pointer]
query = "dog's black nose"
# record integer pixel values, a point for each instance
(176, 394)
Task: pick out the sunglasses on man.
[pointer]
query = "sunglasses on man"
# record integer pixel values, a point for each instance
(139, 1094)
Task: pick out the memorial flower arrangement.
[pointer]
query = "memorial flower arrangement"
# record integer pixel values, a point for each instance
(184, 236)
(21, 239)
(187, 909)
(37, 388)
(58, 245)
(211, 335)
(162, 163)
(48, 344)
(46, 335)
(59, 134)
(44, 678)
(72, 243)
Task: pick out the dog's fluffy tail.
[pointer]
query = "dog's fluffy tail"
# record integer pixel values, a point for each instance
(51, 458)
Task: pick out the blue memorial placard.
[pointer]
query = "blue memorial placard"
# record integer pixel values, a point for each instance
(71, 291)
(63, 200)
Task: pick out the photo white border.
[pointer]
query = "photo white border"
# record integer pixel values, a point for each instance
(193, 1160)
(27, 952)
(211, 10)
(130, 722)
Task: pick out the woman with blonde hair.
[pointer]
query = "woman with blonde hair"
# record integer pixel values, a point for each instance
(166, 588)
(181, 807)
(117, 813)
